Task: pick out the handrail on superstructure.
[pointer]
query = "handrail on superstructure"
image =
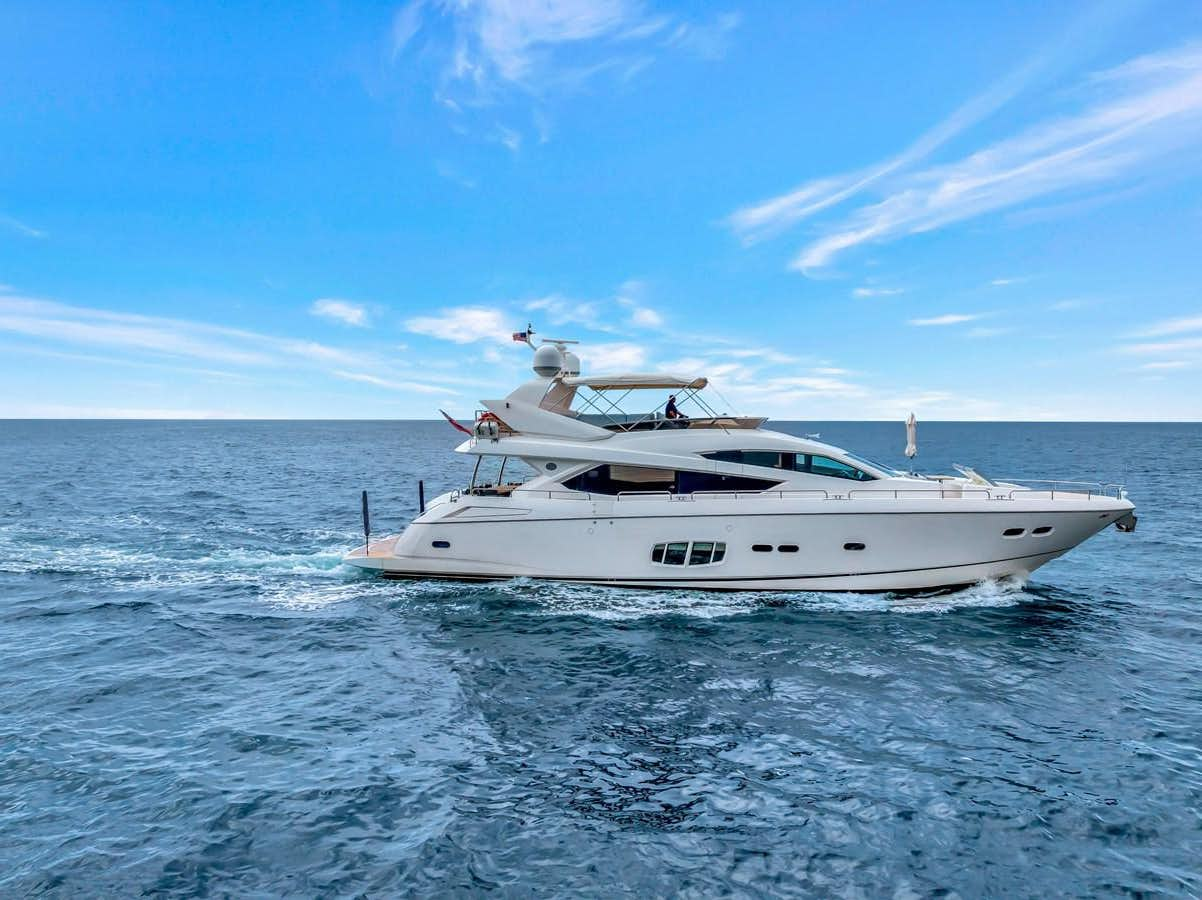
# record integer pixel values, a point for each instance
(861, 494)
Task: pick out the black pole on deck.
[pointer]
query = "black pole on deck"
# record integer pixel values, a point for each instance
(421, 496)
(366, 528)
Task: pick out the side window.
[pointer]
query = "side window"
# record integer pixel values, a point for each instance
(832, 468)
(611, 480)
(699, 553)
(616, 479)
(768, 459)
(674, 554)
(693, 482)
(730, 456)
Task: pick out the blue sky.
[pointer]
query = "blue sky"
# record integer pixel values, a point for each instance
(972, 211)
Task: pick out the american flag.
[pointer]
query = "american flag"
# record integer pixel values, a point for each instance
(522, 336)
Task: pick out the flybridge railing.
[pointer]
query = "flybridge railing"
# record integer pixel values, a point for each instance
(1111, 489)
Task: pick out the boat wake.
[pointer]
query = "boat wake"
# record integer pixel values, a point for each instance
(601, 602)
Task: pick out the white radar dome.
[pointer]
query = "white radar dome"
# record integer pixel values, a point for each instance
(547, 361)
(571, 363)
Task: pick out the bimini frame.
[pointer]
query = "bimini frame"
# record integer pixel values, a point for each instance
(599, 401)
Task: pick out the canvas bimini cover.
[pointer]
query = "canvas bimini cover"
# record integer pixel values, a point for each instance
(638, 382)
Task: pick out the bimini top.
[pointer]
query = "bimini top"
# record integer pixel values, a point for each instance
(635, 382)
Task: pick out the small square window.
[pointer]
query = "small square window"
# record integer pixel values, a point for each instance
(657, 553)
(701, 554)
(719, 552)
(674, 554)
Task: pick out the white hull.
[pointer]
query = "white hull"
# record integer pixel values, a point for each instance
(907, 545)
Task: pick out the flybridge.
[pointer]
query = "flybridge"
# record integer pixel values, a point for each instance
(561, 403)
(613, 403)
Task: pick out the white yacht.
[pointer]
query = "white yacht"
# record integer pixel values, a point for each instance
(715, 501)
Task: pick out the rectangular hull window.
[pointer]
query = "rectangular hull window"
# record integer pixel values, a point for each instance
(698, 553)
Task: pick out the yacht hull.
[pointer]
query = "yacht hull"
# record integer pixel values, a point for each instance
(770, 544)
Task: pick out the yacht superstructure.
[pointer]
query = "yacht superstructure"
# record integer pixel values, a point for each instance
(717, 501)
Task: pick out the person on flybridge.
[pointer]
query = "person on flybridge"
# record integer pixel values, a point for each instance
(673, 414)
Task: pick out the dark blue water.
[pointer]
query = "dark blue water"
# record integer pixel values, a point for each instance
(196, 698)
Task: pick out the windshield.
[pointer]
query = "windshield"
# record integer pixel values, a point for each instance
(880, 467)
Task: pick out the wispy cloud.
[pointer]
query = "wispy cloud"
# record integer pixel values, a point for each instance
(947, 319)
(1068, 305)
(1167, 365)
(707, 40)
(876, 292)
(1140, 112)
(412, 387)
(20, 227)
(156, 335)
(343, 311)
(451, 173)
(1182, 325)
(772, 216)
(464, 325)
(630, 296)
(1006, 282)
(510, 139)
(488, 51)
(614, 357)
(988, 332)
(561, 310)
(1184, 345)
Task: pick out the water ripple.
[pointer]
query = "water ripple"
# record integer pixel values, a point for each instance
(197, 697)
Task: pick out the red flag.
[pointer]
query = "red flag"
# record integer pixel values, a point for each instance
(455, 424)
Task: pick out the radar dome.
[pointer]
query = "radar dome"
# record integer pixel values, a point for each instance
(571, 363)
(547, 361)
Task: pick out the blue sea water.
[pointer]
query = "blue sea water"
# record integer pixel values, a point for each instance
(197, 698)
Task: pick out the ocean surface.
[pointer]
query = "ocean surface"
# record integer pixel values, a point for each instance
(197, 698)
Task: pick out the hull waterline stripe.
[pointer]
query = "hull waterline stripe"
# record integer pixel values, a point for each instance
(729, 579)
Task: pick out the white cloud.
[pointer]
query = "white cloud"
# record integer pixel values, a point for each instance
(1005, 282)
(20, 227)
(1182, 325)
(562, 310)
(61, 323)
(1166, 347)
(1145, 111)
(646, 317)
(1068, 305)
(708, 40)
(405, 24)
(612, 358)
(464, 325)
(772, 216)
(507, 137)
(451, 173)
(487, 52)
(641, 315)
(988, 332)
(1167, 364)
(78, 325)
(343, 311)
(415, 387)
(875, 292)
(948, 319)
(497, 42)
